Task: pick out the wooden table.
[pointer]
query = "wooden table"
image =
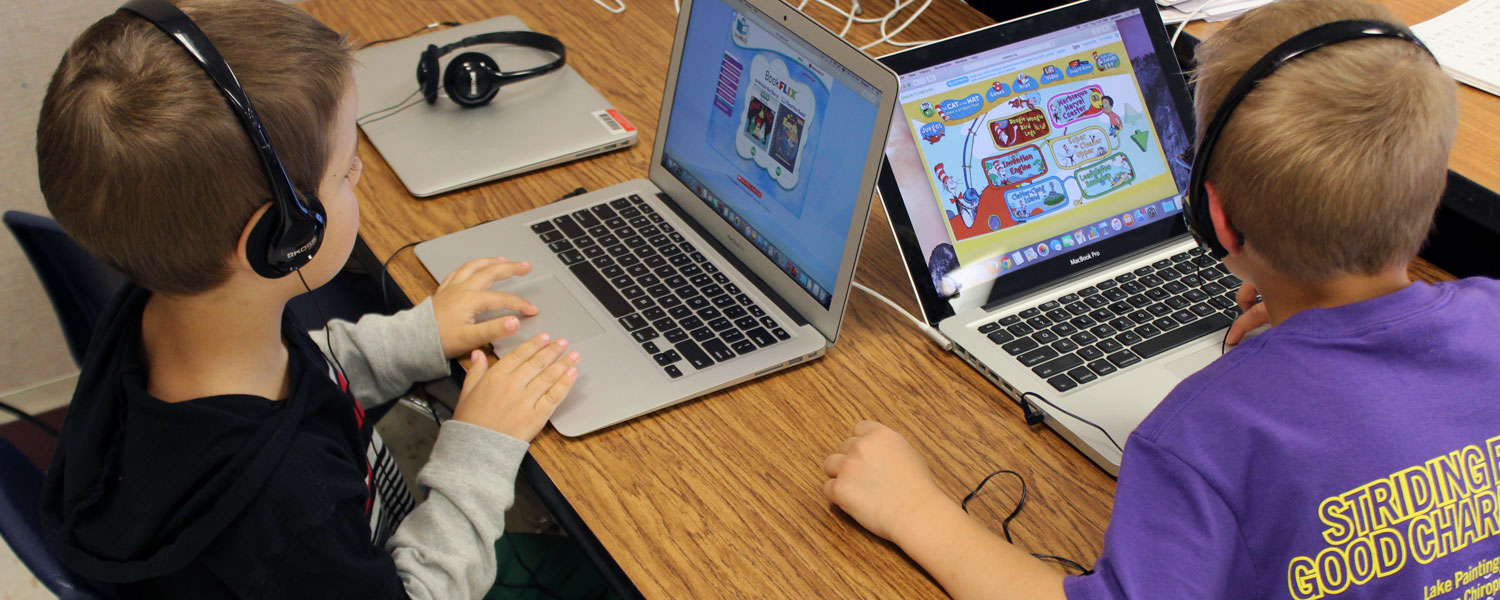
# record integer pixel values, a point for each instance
(719, 497)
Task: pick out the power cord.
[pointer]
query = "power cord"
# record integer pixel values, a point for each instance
(1190, 16)
(932, 333)
(385, 296)
(391, 110)
(1005, 523)
(1034, 416)
(25, 416)
(419, 30)
(851, 17)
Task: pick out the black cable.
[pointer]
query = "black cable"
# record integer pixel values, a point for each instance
(419, 30)
(1005, 524)
(1065, 411)
(24, 416)
(385, 297)
(327, 337)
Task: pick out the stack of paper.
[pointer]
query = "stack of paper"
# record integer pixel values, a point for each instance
(1177, 11)
(1466, 44)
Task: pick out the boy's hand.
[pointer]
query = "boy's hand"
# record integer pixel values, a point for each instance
(465, 294)
(878, 479)
(516, 395)
(1254, 314)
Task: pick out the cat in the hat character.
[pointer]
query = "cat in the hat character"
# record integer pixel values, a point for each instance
(967, 204)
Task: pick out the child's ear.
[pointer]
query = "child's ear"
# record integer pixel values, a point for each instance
(1228, 236)
(241, 252)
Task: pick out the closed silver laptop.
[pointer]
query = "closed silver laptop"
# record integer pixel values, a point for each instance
(734, 257)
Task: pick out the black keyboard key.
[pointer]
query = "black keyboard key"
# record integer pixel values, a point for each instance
(1044, 337)
(1059, 365)
(1068, 299)
(543, 226)
(761, 337)
(746, 322)
(1184, 317)
(1049, 305)
(1123, 358)
(1158, 310)
(1082, 375)
(743, 346)
(1109, 346)
(720, 324)
(1146, 270)
(1213, 289)
(694, 354)
(718, 350)
(1102, 330)
(1221, 302)
(620, 203)
(1230, 282)
(1082, 321)
(644, 335)
(1038, 356)
(1090, 353)
(1132, 287)
(642, 303)
(988, 327)
(1140, 316)
(1181, 257)
(673, 371)
(1196, 251)
(781, 334)
(1121, 308)
(1059, 315)
(1147, 331)
(667, 358)
(1077, 308)
(675, 335)
(1190, 332)
(690, 322)
(1165, 262)
(1106, 284)
(709, 313)
(1129, 338)
(1083, 338)
(1211, 274)
(702, 334)
(560, 246)
(1064, 346)
(1122, 323)
(1062, 383)
(768, 322)
(1088, 291)
(569, 226)
(1019, 346)
(1064, 329)
(1039, 322)
(1151, 281)
(600, 288)
(1020, 329)
(727, 302)
(1095, 301)
(1124, 277)
(1114, 294)
(1203, 310)
(632, 291)
(1156, 294)
(1030, 312)
(1166, 324)
(1191, 281)
(1177, 303)
(1138, 300)
(585, 218)
(1204, 261)
(1102, 315)
(552, 236)
(732, 335)
(1102, 367)
(1010, 320)
(1001, 336)
(1175, 287)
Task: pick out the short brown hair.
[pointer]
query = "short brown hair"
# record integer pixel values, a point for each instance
(1335, 162)
(142, 161)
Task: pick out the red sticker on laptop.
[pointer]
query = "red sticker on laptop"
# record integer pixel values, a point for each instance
(614, 121)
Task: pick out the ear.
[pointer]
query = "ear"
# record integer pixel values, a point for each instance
(241, 249)
(1228, 236)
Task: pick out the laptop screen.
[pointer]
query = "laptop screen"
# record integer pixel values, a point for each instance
(773, 135)
(1025, 153)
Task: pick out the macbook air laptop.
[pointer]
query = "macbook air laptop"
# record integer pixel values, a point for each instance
(1034, 179)
(441, 147)
(734, 258)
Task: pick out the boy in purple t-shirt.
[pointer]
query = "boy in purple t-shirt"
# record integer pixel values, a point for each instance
(1353, 449)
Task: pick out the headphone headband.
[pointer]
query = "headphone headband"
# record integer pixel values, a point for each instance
(295, 229)
(1196, 211)
(481, 71)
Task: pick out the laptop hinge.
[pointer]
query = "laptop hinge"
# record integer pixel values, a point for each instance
(995, 303)
(734, 261)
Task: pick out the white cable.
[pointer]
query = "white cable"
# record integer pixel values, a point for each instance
(886, 37)
(935, 335)
(1192, 15)
(611, 8)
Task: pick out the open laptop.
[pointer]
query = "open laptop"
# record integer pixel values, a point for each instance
(734, 258)
(437, 148)
(1034, 176)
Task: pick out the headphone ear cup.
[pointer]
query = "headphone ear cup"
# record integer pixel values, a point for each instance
(427, 73)
(471, 79)
(258, 244)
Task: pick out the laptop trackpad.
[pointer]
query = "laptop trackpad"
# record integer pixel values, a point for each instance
(561, 316)
(1192, 363)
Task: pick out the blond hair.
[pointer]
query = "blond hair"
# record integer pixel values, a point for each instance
(1335, 162)
(141, 159)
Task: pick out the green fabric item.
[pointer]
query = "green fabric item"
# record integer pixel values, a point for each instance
(560, 568)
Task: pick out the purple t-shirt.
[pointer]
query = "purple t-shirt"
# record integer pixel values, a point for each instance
(1350, 452)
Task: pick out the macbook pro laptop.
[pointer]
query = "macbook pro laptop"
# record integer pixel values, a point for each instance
(1034, 179)
(734, 257)
(441, 147)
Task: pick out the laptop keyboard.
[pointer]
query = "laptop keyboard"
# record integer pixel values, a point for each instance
(1106, 327)
(677, 305)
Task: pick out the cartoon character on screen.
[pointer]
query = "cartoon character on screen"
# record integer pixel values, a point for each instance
(1114, 120)
(966, 203)
(1098, 65)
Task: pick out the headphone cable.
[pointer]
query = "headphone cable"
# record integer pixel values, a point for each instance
(419, 30)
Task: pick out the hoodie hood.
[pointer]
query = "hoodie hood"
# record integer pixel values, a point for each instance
(139, 487)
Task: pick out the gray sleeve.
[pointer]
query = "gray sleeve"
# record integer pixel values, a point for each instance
(384, 355)
(446, 547)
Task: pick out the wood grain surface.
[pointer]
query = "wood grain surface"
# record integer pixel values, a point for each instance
(720, 497)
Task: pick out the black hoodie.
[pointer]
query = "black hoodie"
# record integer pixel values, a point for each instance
(222, 496)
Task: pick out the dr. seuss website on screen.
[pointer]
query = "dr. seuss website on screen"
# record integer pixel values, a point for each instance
(773, 135)
(1017, 154)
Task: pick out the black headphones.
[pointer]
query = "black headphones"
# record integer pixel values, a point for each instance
(289, 234)
(1195, 212)
(473, 78)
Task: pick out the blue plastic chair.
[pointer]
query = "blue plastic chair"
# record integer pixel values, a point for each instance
(79, 285)
(20, 487)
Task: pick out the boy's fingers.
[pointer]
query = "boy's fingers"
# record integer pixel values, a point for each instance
(487, 275)
(540, 360)
(558, 391)
(496, 329)
(1245, 297)
(1253, 318)
(832, 463)
(828, 491)
(467, 269)
(486, 300)
(866, 427)
(478, 364)
(544, 380)
(522, 353)
(848, 445)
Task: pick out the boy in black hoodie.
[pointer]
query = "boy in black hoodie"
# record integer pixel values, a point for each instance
(214, 448)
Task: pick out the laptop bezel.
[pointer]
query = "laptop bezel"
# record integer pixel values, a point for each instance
(935, 307)
(826, 320)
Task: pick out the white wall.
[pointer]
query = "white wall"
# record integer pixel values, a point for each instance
(32, 39)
